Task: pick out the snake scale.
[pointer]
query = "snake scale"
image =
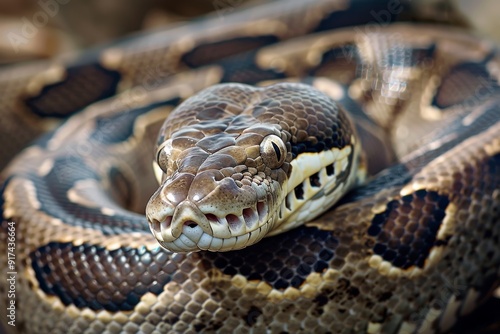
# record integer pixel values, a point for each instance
(412, 249)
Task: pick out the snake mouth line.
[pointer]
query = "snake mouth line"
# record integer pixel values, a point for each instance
(227, 232)
(194, 239)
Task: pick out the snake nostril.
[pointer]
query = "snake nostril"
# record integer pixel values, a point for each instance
(166, 223)
(190, 224)
(155, 225)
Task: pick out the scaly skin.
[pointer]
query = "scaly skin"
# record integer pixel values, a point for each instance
(413, 250)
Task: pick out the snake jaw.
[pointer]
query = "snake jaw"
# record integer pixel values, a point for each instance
(218, 201)
(188, 228)
(212, 211)
(183, 217)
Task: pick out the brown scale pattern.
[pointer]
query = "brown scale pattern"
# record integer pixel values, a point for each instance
(473, 79)
(313, 120)
(60, 100)
(407, 230)
(354, 293)
(108, 284)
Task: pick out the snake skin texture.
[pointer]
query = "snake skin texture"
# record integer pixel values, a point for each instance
(412, 250)
(242, 163)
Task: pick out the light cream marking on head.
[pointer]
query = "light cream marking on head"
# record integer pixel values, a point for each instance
(307, 164)
(200, 235)
(303, 166)
(52, 75)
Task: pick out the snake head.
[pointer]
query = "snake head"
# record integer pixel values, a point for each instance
(225, 159)
(221, 192)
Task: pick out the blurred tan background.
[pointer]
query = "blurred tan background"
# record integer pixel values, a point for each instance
(484, 16)
(68, 25)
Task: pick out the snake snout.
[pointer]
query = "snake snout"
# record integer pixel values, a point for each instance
(186, 228)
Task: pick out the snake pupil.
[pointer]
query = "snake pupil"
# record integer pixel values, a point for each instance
(277, 150)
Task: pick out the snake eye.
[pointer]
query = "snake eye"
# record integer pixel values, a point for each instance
(273, 151)
(162, 155)
(162, 160)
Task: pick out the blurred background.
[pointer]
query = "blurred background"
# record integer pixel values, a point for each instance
(67, 25)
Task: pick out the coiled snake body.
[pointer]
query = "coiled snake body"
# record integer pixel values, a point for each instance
(412, 250)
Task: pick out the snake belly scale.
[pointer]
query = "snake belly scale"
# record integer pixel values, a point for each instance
(411, 250)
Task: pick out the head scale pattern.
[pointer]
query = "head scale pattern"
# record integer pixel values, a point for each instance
(228, 161)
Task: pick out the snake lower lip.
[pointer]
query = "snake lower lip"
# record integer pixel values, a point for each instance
(194, 239)
(225, 227)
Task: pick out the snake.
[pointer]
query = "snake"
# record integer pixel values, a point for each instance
(292, 167)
